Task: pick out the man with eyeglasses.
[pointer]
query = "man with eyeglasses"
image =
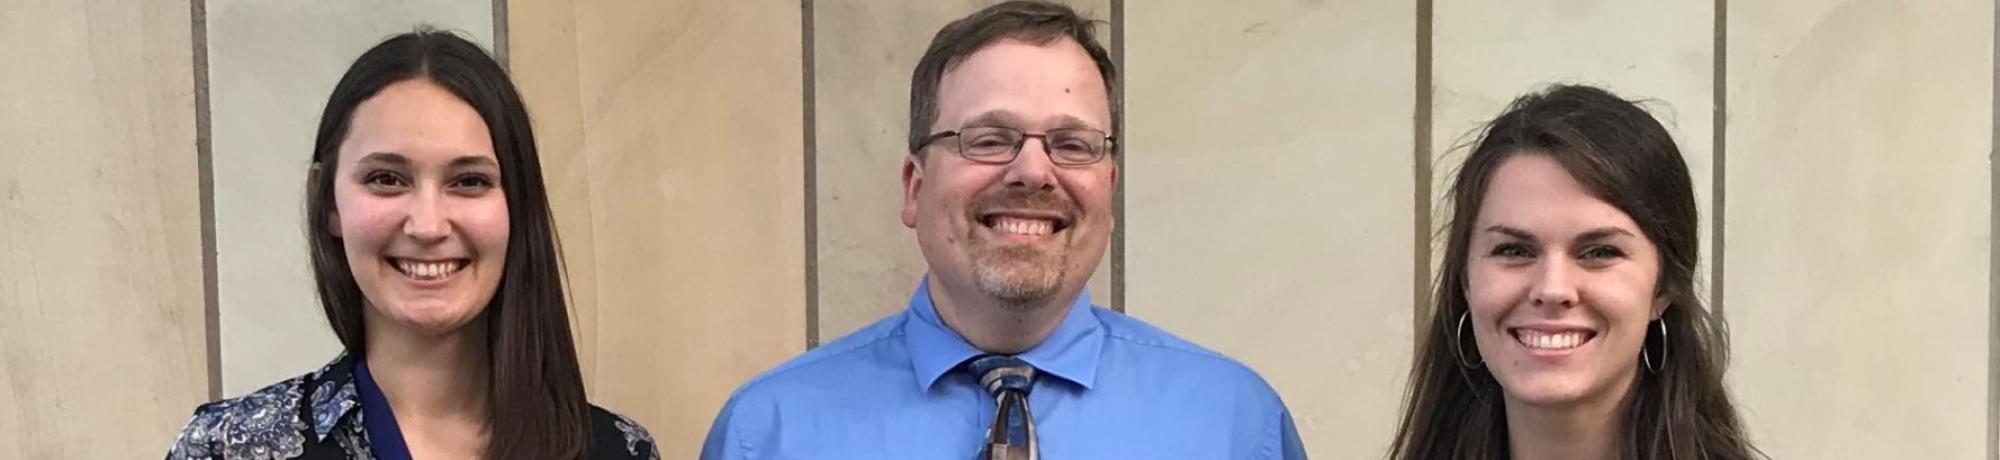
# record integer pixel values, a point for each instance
(1000, 354)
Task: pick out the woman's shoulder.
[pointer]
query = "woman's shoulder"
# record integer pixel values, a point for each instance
(265, 420)
(614, 436)
(275, 421)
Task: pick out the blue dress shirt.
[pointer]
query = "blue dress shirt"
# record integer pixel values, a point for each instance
(1110, 387)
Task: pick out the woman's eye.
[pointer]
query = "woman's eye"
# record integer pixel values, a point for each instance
(1512, 251)
(384, 179)
(1601, 252)
(474, 181)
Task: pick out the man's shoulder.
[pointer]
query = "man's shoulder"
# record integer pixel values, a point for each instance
(860, 350)
(1123, 328)
(1151, 343)
(814, 384)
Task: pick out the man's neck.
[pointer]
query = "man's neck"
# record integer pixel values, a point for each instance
(993, 326)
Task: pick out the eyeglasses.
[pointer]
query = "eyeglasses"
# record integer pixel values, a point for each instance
(1000, 145)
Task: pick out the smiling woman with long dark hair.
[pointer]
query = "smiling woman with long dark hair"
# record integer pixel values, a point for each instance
(1566, 322)
(435, 256)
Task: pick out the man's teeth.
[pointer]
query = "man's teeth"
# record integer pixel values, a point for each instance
(1024, 226)
(428, 270)
(1551, 341)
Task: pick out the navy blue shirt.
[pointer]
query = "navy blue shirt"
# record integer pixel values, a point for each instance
(338, 412)
(376, 417)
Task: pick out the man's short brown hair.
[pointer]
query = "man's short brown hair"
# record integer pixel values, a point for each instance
(1034, 21)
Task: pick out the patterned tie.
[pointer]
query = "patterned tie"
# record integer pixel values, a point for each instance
(1012, 434)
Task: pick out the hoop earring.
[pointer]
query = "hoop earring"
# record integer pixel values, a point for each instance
(1646, 356)
(1458, 337)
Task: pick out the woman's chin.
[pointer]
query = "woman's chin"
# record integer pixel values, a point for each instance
(431, 318)
(1548, 390)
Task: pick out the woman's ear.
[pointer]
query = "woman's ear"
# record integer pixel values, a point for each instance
(333, 214)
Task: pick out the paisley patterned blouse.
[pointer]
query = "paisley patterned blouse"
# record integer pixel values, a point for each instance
(318, 416)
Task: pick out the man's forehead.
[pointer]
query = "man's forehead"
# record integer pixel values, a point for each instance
(1053, 42)
(1002, 117)
(1014, 82)
(1042, 54)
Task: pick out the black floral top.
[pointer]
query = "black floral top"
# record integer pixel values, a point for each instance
(318, 416)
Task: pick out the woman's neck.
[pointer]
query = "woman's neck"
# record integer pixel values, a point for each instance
(1586, 430)
(436, 384)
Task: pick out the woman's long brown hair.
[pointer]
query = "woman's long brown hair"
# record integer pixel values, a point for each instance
(1453, 407)
(538, 407)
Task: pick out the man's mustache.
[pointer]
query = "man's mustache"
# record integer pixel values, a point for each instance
(1019, 199)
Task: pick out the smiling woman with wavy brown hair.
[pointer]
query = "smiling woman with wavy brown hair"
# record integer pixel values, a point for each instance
(1566, 322)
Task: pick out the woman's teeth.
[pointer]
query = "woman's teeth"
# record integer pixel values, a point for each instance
(428, 270)
(1551, 341)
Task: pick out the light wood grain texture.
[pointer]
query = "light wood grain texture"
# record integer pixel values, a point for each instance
(673, 147)
(103, 340)
(1269, 198)
(1859, 226)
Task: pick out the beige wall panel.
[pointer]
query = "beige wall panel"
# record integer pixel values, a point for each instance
(103, 342)
(864, 52)
(1859, 225)
(1487, 53)
(687, 167)
(271, 67)
(542, 35)
(1269, 192)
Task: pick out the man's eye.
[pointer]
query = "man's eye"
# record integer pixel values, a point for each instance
(985, 142)
(1073, 146)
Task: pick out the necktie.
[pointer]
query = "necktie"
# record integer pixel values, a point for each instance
(1012, 434)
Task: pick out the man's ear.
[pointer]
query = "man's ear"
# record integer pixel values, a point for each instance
(1114, 192)
(913, 181)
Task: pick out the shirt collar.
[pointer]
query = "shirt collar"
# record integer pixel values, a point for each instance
(1070, 352)
(333, 394)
